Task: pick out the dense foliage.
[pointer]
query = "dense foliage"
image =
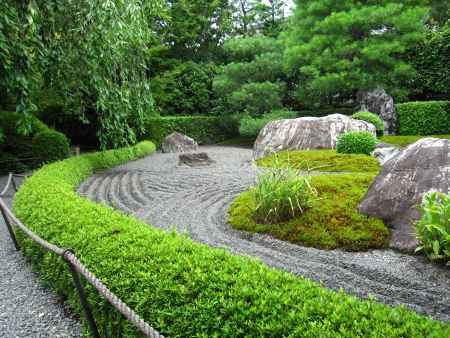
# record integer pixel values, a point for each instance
(356, 142)
(371, 118)
(281, 195)
(433, 229)
(424, 118)
(173, 280)
(50, 146)
(251, 126)
(335, 48)
(203, 129)
(331, 222)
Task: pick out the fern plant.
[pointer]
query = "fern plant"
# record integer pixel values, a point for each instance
(433, 228)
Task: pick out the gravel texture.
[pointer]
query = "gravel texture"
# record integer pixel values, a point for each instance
(195, 200)
(28, 308)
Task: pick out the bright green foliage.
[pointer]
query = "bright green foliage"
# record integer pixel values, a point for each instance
(424, 118)
(183, 288)
(253, 82)
(50, 146)
(280, 195)
(431, 59)
(323, 160)
(356, 142)
(338, 47)
(250, 126)
(331, 222)
(204, 130)
(185, 90)
(433, 229)
(371, 118)
(404, 141)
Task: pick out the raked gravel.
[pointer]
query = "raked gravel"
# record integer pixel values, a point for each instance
(195, 200)
(28, 308)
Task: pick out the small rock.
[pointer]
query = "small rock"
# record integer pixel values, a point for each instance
(178, 143)
(384, 152)
(195, 160)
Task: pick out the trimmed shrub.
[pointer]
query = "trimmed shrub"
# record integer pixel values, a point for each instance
(50, 146)
(424, 118)
(371, 118)
(433, 228)
(250, 126)
(183, 288)
(357, 142)
(204, 130)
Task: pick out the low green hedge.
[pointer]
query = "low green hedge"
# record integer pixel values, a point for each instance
(203, 129)
(29, 151)
(183, 288)
(424, 118)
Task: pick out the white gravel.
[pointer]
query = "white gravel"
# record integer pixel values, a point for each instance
(28, 308)
(195, 200)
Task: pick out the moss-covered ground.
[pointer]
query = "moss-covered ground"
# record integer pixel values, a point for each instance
(403, 141)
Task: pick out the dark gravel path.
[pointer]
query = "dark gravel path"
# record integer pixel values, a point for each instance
(195, 200)
(27, 308)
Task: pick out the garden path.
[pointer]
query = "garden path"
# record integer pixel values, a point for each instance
(27, 307)
(195, 200)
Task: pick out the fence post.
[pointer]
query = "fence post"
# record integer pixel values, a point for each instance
(10, 229)
(13, 183)
(83, 300)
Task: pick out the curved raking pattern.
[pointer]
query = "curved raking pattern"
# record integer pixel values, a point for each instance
(195, 201)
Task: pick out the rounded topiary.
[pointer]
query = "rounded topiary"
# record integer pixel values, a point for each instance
(50, 146)
(357, 142)
(371, 118)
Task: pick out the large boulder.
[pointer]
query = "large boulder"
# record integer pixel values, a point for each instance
(379, 102)
(178, 143)
(306, 133)
(398, 190)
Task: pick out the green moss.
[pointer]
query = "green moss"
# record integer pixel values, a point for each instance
(239, 142)
(404, 141)
(323, 160)
(332, 222)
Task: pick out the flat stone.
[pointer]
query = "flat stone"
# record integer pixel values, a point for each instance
(398, 190)
(178, 143)
(195, 160)
(306, 133)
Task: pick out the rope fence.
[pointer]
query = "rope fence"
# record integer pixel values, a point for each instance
(76, 269)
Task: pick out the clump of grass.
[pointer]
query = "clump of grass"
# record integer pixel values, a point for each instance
(281, 194)
(322, 160)
(332, 221)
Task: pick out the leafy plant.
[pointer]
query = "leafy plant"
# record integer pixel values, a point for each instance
(371, 118)
(50, 146)
(251, 126)
(356, 142)
(281, 194)
(424, 118)
(433, 228)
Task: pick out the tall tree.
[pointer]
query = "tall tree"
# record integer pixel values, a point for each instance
(335, 48)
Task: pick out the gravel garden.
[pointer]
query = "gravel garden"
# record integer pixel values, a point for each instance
(244, 168)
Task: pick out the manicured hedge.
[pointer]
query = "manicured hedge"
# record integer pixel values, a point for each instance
(203, 129)
(25, 149)
(424, 118)
(183, 288)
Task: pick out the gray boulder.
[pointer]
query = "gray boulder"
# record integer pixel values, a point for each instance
(306, 133)
(195, 160)
(178, 143)
(398, 190)
(384, 152)
(379, 102)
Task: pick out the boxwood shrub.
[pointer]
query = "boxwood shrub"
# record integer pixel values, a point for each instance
(356, 142)
(50, 146)
(371, 118)
(183, 288)
(203, 129)
(424, 118)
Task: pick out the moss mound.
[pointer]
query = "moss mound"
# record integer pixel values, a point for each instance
(322, 160)
(332, 222)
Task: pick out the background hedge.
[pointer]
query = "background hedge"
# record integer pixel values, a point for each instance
(203, 129)
(183, 288)
(21, 152)
(424, 118)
